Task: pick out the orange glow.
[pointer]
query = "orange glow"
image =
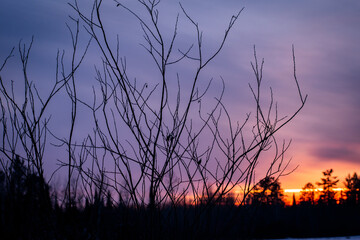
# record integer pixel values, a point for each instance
(237, 195)
(308, 190)
(288, 193)
(310, 168)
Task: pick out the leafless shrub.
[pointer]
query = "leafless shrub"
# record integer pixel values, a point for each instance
(163, 159)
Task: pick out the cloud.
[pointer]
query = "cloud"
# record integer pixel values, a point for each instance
(339, 153)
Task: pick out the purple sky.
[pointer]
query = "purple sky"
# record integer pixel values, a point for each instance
(325, 33)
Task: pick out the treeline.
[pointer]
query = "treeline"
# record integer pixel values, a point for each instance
(350, 195)
(325, 192)
(30, 209)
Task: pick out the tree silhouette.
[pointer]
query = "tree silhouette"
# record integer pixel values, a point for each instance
(25, 202)
(352, 184)
(308, 194)
(268, 192)
(327, 183)
(16, 180)
(294, 203)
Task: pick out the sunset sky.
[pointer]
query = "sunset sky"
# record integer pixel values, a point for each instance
(325, 34)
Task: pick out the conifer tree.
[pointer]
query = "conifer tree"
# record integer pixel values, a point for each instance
(308, 194)
(268, 191)
(327, 183)
(352, 184)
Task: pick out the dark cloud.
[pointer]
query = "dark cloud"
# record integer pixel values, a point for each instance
(341, 153)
